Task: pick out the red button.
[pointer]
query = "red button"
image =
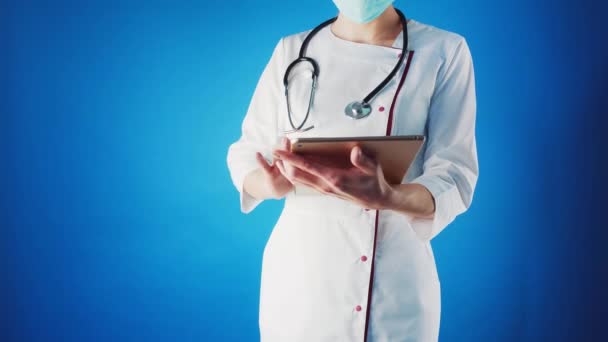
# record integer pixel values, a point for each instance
(358, 307)
(363, 258)
(381, 109)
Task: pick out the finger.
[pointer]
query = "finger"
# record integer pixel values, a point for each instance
(303, 163)
(342, 196)
(319, 184)
(282, 145)
(303, 177)
(263, 163)
(362, 161)
(281, 167)
(296, 175)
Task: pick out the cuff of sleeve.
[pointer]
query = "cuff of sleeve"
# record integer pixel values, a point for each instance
(247, 202)
(443, 194)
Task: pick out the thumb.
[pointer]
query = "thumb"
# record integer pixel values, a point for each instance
(361, 161)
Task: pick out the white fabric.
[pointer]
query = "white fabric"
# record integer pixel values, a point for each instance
(313, 277)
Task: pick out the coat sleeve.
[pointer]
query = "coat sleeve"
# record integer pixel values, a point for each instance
(450, 167)
(259, 132)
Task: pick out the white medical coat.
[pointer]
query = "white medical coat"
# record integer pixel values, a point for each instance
(331, 270)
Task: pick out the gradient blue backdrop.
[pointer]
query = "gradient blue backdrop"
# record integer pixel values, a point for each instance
(119, 220)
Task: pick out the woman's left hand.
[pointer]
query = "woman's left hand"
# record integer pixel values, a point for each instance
(362, 182)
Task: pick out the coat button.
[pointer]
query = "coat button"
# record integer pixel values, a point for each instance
(363, 258)
(358, 307)
(381, 108)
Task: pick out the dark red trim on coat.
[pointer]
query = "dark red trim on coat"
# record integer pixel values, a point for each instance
(371, 279)
(389, 125)
(389, 128)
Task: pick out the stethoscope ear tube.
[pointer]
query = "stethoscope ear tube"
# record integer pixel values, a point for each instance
(315, 75)
(315, 69)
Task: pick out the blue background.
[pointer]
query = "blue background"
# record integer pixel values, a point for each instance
(119, 220)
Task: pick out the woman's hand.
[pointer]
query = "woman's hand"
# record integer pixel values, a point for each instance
(362, 182)
(278, 185)
(267, 181)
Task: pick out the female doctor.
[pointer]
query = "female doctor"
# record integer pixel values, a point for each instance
(354, 262)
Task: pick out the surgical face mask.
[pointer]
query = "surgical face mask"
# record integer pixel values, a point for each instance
(362, 11)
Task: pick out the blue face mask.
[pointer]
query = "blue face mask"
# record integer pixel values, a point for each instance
(362, 11)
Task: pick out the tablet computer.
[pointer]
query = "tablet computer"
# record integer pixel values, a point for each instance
(394, 153)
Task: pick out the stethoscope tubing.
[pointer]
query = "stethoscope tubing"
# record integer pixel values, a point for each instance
(315, 74)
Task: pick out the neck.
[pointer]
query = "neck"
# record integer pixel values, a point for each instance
(380, 31)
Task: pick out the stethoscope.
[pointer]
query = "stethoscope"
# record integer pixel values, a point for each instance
(355, 109)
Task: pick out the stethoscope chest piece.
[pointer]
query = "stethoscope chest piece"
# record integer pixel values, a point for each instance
(357, 110)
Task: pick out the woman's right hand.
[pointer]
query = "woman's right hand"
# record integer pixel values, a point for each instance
(275, 184)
